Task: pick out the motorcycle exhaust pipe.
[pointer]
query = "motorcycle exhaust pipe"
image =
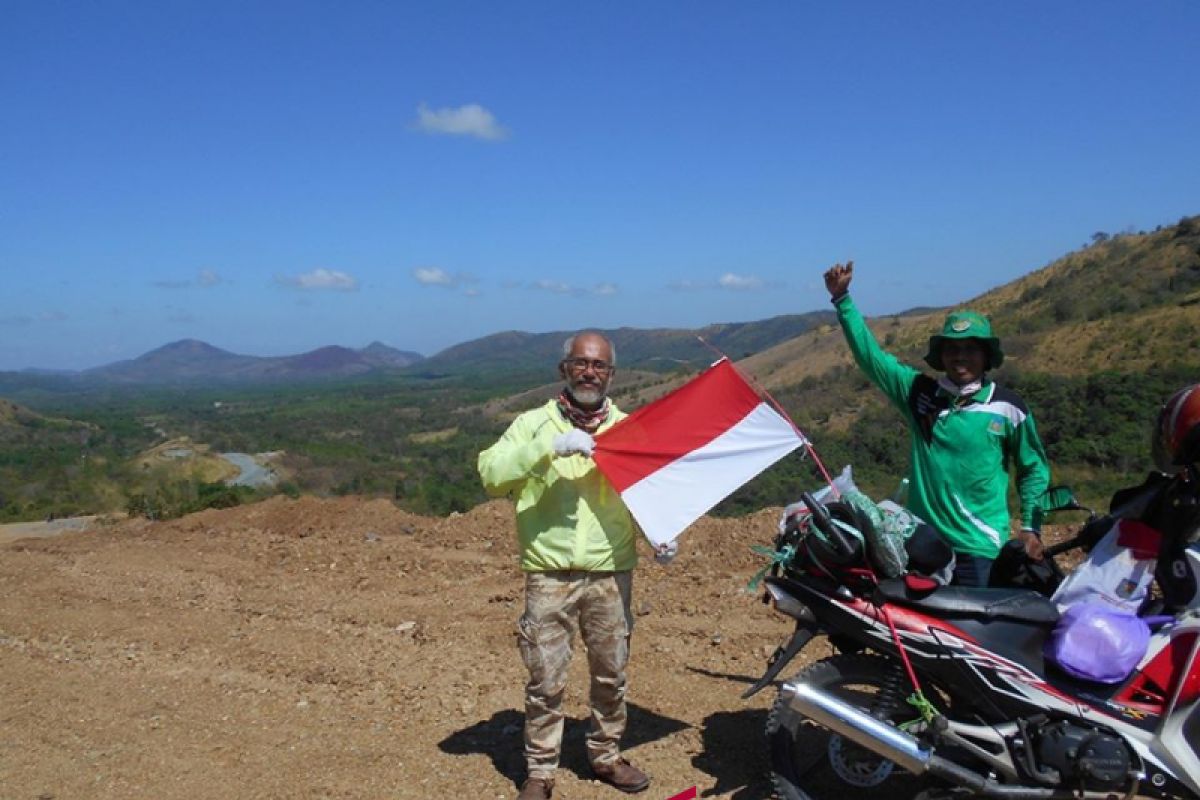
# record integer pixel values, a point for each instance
(858, 726)
(894, 744)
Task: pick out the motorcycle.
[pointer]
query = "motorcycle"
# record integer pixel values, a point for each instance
(943, 691)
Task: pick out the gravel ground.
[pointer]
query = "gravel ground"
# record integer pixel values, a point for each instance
(346, 649)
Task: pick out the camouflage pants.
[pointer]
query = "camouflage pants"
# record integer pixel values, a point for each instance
(556, 604)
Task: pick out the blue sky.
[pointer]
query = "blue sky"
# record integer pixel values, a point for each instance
(274, 177)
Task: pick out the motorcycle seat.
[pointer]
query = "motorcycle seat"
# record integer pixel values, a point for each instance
(1015, 605)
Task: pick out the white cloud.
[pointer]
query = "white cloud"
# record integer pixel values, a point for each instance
(730, 281)
(320, 280)
(432, 276)
(558, 287)
(555, 287)
(739, 282)
(436, 276)
(52, 316)
(205, 278)
(469, 120)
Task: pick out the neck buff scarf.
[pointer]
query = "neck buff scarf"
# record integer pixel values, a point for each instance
(579, 417)
(954, 390)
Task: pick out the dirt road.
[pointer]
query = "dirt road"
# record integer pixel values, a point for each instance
(345, 649)
(12, 531)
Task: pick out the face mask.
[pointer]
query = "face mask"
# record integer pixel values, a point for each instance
(951, 388)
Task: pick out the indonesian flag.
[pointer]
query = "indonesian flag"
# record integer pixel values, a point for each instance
(679, 456)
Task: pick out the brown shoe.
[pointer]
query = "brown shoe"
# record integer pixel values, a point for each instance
(536, 789)
(622, 775)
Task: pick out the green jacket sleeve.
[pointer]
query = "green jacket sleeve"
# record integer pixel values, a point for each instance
(882, 368)
(1033, 470)
(505, 466)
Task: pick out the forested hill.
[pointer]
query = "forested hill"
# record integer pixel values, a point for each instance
(43, 456)
(1094, 342)
(654, 349)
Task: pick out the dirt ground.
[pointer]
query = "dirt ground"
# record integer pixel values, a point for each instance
(346, 649)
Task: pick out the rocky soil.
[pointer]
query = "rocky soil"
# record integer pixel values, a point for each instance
(346, 649)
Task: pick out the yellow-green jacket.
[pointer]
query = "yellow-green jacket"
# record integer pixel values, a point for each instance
(569, 517)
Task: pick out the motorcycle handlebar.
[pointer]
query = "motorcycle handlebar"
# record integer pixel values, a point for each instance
(824, 523)
(1062, 547)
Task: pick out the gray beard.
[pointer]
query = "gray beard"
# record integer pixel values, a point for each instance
(586, 397)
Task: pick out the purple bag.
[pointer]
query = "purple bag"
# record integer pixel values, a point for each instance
(1098, 642)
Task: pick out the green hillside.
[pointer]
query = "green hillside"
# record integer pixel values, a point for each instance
(51, 465)
(1095, 341)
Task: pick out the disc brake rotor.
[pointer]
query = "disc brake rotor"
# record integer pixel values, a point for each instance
(856, 765)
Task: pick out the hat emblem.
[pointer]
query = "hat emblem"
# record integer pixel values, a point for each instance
(960, 325)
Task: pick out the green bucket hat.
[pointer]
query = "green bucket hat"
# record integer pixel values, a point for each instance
(965, 325)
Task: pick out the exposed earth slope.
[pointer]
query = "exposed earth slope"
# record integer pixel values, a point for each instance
(344, 648)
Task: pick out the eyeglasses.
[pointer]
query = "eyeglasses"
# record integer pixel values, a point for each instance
(580, 365)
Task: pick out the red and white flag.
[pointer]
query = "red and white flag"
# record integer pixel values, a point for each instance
(679, 456)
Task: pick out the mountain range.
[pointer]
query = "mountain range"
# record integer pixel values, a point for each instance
(191, 361)
(1093, 341)
(1125, 302)
(650, 349)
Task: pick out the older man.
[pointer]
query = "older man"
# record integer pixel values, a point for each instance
(577, 551)
(964, 432)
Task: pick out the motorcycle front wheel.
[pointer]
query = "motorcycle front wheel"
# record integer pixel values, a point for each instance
(809, 762)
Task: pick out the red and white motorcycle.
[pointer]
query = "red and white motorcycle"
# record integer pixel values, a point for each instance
(946, 692)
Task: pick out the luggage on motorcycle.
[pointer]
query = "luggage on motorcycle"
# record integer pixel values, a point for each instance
(893, 526)
(1097, 642)
(834, 536)
(885, 526)
(927, 554)
(1014, 569)
(1118, 571)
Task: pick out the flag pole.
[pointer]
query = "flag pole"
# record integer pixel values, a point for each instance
(808, 446)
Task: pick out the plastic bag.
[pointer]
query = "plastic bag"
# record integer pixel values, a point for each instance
(894, 527)
(1097, 642)
(844, 483)
(1117, 572)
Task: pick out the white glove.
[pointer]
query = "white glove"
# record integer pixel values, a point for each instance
(665, 553)
(574, 441)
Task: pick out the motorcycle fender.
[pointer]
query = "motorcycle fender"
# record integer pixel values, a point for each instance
(803, 634)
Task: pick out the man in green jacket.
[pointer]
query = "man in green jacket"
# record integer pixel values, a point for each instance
(577, 551)
(964, 430)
